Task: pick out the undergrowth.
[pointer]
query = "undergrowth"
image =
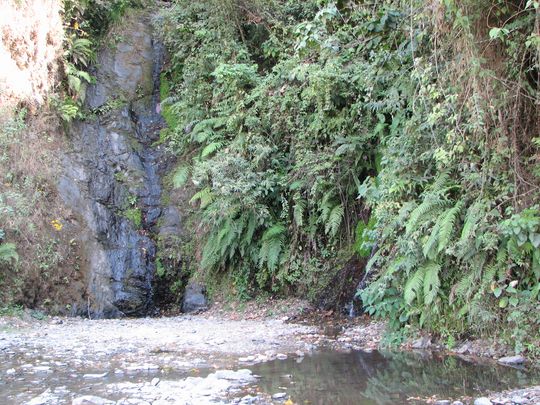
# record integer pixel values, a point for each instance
(406, 132)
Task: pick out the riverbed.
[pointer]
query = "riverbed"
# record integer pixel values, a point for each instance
(196, 359)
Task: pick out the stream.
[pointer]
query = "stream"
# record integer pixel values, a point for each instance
(323, 377)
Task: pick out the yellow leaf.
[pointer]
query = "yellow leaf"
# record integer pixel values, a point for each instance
(288, 402)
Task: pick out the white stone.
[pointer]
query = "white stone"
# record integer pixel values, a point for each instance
(91, 400)
(95, 376)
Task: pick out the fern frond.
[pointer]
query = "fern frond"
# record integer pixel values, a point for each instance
(273, 250)
(432, 283)
(334, 220)
(298, 212)
(8, 252)
(473, 215)
(441, 182)
(413, 285)
(273, 232)
(426, 211)
(429, 248)
(465, 287)
(211, 149)
(272, 245)
(447, 225)
(250, 228)
(205, 196)
(181, 176)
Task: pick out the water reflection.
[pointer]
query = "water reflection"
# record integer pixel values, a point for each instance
(384, 378)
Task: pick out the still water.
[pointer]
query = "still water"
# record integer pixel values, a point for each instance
(324, 378)
(385, 378)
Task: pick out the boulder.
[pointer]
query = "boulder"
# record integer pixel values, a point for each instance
(512, 360)
(194, 298)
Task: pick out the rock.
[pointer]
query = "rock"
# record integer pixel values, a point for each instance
(10, 371)
(442, 402)
(281, 356)
(248, 399)
(91, 400)
(45, 398)
(512, 360)
(95, 376)
(422, 343)
(111, 175)
(457, 403)
(464, 348)
(482, 401)
(42, 369)
(279, 395)
(194, 298)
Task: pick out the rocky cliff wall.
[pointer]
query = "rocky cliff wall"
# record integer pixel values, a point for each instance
(112, 174)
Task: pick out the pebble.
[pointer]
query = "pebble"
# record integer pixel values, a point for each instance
(10, 371)
(248, 399)
(279, 395)
(281, 356)
(42, 369)
(457, 403)
(91, 400)
(442, 402)
(95, 376)
(482, 401)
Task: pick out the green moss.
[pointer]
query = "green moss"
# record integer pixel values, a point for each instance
(166, 110)
(134, 215)
(363, 239)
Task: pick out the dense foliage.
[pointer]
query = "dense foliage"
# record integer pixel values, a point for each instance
(86, 22)
(293, 118)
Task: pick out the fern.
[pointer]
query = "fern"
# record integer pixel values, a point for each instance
(414, 285)
(273, 232)
(205, 196)
(473, 215)
(447, 225)
(181, 176)
(429, 248)
(272, 245)
(298, 211)
(211, 149)
(334, 220)
(8, 252)
(465, 287)
(427, 210)
(431, 281)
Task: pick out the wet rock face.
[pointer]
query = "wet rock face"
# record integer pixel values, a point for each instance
(112, 175)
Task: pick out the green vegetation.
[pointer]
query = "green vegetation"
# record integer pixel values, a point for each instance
(406, 132)
(86, 23)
